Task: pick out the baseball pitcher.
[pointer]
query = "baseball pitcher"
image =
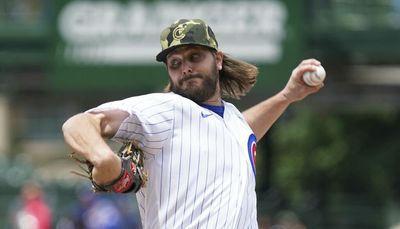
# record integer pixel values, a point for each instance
(188, 154)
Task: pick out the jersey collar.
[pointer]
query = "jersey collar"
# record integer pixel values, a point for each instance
(217, 109)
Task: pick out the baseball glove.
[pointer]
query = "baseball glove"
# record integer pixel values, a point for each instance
(132, 177)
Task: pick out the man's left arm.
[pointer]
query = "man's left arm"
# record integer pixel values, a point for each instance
(263, 115)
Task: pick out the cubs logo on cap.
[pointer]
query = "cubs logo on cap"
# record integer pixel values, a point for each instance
(186, 32)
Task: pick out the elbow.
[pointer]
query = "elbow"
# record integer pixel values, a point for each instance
(70, 124)
(81, 123)
(66, 127)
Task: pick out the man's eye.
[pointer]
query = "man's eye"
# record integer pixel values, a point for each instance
(195, 57)
(174, 64)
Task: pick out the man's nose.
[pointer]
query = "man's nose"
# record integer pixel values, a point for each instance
(186, 68)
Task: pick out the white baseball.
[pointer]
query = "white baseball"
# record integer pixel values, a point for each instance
(315, 78)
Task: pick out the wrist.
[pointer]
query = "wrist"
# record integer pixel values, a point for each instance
(284, 97)
(106, 168)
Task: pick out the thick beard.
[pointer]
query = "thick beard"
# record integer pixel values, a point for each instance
(201, 93)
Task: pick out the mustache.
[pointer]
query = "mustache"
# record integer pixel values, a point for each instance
(190, 76)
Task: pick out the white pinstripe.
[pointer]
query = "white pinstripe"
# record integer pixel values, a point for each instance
(200, 175)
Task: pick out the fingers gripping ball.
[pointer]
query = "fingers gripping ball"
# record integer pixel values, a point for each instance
(132, 176)
(315, 78)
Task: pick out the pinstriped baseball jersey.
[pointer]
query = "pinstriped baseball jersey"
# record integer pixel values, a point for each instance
(200, 165)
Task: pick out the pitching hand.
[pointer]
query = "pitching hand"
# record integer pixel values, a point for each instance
(296, 89)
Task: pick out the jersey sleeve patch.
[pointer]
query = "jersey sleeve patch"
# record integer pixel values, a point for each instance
(251, 149)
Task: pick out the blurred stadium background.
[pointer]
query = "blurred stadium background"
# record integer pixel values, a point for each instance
(329, 162)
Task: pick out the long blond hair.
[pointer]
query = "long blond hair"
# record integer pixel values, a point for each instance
(236, 78)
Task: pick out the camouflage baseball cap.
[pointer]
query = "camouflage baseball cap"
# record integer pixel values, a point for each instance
(186, 32)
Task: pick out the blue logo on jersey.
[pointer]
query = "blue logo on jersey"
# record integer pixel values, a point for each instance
(251, 149)
(205, 115)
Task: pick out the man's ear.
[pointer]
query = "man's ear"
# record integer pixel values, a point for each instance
(219, 57)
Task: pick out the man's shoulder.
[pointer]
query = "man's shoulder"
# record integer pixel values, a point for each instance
(231, 107)
(157, 100)
(233, 110)
(165, 96)
(159, 96)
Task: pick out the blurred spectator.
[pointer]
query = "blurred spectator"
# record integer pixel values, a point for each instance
(99, 211)
(34, 212)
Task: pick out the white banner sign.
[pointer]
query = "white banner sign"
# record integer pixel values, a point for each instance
(114, 33)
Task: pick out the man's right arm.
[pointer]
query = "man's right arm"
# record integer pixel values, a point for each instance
(85, 133)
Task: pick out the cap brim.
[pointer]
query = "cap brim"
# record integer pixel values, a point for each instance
(162, 56)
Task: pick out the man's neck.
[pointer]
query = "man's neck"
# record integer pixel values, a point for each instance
(214, 102)
(216, 99)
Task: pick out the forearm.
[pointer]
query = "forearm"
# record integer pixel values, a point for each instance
(83, 133)
(263, 115)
